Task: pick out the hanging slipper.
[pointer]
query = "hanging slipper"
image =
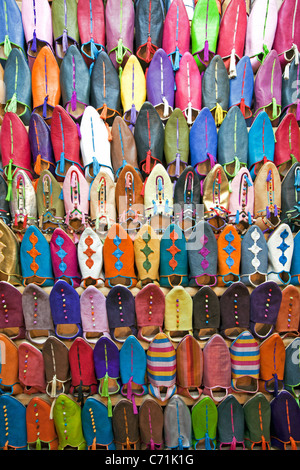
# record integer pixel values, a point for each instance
(83, 379)
(65, 142)
(133, 90)
(288, 314)
(23, 205)
(257, 414)
(121, 313)
(102, 204)
(178, 314)
(10, 384)
(66, 415)
(216, 198)
(94, 145)
(12, 424)
(265, 302)
(204, 423)
(76, 200)
(267, 87)
(241, 87)
(50, 207)
(267, 197)
(187, 197)
(202, 255)
(10, 269)
(287, 144)
(133, 363)
(260, 33)
(118, 258)
(232, 35)
(96, 425)
(107, 369)
(64, 258)
(17, 81)
(158, 198)
(12, 32)
(41, 145)
(149, 138)
(233, 142)
(93, 314)
(46, 90)
(206, 313)
(91, 27)
(125, 426)
(65, 26)
(230, 427)
(176, 33)
(280, 251)
(290, 98)
(31, 369)
(229, 255)
(41, 432)
(243, 349)
(160, 84)
(241, 201)
(189, 359)
(173, 258)
(37, 24)
(15, 149)
(291, 369)
(65, 308)
(150, 311)
(216, 374)
(90, 259)
(188, 96)
(176, 144)
(161, 357)
(203, 152)
(234, 310)
(37, 314)
(105, 94)
(177, 424)
(272, 360)
(12, 319)
(290, 202)
(129, 200)
(204, 32)
(5, 214)
(75, 83)
(123, 147)
(287, 36)
(57, 367)
(151, 424)
(254, 257)
(216, 98)
(261, 143)
(119, 28)
(149, 23)
(284, 429)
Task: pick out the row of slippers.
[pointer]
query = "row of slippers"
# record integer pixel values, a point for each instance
(169, 261)
(264, 194)
(69, 374)
(256, 425)
(94, 145)
(35, 314)
(162, 370)
(228, 40)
